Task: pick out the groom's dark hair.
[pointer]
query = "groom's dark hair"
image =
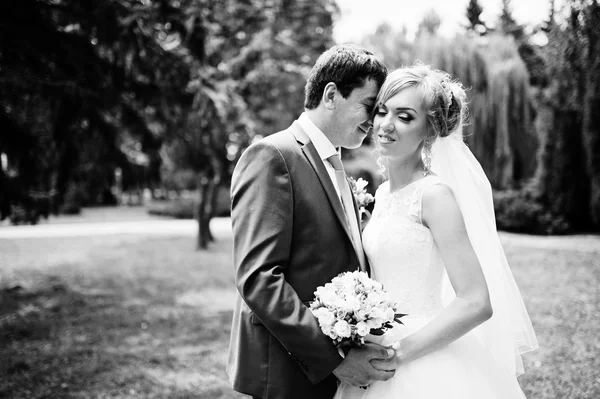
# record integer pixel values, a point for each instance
(346, 65)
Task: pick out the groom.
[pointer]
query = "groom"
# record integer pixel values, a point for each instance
(295, 227)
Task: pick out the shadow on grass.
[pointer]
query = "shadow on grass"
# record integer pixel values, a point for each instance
(60, 342)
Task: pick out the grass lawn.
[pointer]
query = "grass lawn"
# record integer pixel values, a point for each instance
(130, 316)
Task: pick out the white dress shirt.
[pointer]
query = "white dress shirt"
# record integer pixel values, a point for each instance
(325, 150)
(323, 146)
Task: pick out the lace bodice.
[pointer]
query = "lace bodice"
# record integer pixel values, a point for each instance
(401, 250)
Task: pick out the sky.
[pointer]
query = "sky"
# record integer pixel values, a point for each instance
(360, 17)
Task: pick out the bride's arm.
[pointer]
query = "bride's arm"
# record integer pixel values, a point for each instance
(471, 306)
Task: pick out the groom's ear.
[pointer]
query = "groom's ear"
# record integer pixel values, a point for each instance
(329, 95)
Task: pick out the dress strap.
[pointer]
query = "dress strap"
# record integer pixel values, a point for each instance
(416, 200)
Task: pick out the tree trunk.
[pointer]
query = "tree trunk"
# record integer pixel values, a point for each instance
(205, 209)
(591, 146)
(591, 116)
(201, 214)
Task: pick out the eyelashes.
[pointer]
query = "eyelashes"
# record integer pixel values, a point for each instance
(402, 116)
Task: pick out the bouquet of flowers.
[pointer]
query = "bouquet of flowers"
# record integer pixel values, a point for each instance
(351, 306)
(363, 198)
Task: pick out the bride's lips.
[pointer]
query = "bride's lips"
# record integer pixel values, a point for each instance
(383, 139)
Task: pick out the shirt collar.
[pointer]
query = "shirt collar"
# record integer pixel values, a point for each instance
(322, 144)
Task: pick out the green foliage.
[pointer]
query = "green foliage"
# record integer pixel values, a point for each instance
(183, 208)
(74, 200)
(474, 11)
(521, 211)
(247, 65)
(510, 115)
(500, 123)
(569, 161)
(103, 85)
(249, 79)
(186, 207)
(536, 62)
(430, 23)
(507, 23)
(509, 121)
(89, 74)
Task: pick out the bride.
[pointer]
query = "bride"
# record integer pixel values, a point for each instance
(432, 242)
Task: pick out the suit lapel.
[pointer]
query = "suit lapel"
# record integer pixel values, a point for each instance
(317, 163)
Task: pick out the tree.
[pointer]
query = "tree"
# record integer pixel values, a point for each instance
(87, 76)
(430, 23)
(249, 63)
(570, 161)
(474, 11)
(507, 23)
(550, 23)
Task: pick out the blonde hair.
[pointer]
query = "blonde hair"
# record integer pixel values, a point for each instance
(443, 99)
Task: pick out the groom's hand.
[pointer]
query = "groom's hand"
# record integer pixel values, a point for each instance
(356, 369)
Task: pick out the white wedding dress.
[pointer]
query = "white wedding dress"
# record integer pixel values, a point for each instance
(406, 260)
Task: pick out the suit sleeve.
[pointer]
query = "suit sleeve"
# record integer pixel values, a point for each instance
(262, 219)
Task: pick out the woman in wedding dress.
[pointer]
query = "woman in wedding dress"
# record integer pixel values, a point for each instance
(432, 242)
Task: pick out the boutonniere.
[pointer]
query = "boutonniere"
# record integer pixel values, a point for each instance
(362, 197)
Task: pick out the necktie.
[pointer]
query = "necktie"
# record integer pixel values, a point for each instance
(348, 205)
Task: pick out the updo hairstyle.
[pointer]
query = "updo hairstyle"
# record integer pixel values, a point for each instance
(443, 97)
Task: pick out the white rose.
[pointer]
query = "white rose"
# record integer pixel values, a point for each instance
(374, 298)
(337, 282)
(389, 314)
(374, 322)
(327, 297)
(379, 313)
(360, 198)
(348, 281)
(330, 287)
(326, 317)
(362, 328)
(340, 314)
(361, 184)
(363, 278)
(360, 314)
(342, 329)
(339, 303)
(328, 330)
(351, 304)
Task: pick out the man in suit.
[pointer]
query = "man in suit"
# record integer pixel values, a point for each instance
(294, 229)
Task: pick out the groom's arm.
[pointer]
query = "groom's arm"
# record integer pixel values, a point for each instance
(262, 219)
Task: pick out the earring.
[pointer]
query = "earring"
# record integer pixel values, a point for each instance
(426, 155)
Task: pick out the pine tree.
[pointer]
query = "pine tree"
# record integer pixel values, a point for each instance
(549, 24)
(474, 11)
(430, 23)
(507, 23)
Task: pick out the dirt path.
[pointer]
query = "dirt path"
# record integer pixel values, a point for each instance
(136, 220)
(579, 242)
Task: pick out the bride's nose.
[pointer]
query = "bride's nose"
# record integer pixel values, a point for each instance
(387, 126)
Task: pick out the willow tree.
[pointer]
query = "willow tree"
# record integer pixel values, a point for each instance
(509, 101)
(499, 130)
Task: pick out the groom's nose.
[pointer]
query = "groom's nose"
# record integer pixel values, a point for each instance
(366, 126)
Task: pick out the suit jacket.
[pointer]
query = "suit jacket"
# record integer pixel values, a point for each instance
(290, 236)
